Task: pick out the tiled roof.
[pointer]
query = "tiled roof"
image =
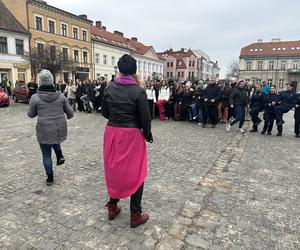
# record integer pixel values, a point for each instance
(9, 22)
(104, 36)
(278, 48)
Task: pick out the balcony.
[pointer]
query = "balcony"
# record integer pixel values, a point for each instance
(293, 71)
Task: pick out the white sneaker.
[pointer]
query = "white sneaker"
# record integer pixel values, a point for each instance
(228, 127)
(242, 131)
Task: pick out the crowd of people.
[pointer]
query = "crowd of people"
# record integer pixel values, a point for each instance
(206, 104)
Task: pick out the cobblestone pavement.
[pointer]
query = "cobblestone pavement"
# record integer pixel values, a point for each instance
(206, 189)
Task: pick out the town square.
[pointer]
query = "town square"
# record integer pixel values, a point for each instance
(123, 136)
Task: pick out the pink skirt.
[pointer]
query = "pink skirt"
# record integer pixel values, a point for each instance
(125, 161)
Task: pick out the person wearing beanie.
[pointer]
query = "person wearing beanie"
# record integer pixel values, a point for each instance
(50, 106)
(126, 107)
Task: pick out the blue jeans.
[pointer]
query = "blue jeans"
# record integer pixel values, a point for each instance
(240, 112)
(46, 152)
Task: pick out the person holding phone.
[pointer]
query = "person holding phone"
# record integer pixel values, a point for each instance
(125, 105)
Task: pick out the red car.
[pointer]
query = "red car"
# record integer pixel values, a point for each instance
(4, 98)
(21, 93)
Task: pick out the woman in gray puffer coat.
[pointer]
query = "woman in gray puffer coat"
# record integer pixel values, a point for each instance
(50, 107)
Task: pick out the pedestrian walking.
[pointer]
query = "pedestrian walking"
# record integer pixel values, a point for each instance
(50, 107)
(238, 101)
(257, 106)
(126, 107)
(297, 116)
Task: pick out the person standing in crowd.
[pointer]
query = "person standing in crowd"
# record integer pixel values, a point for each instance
(150, 97)
(271, 100)
(70, 91)
(32, 86)
(178, 102)
(285, 104)
(88, 97)
(50, 107)
(212, 96)
(7, 86)
(164, 96)
(97, 98)
(103, 84)
(80, 91)
(238, 101)
(124, 150)
(170, 103)
(257, 106)
(223, 105)
(297, 116)
(265, 88)
(199, 99)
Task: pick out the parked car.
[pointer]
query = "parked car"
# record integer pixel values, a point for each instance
(4, 98)
(21, 93)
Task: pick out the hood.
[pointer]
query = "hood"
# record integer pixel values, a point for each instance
(48, 96)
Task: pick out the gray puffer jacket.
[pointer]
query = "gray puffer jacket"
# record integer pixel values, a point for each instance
(50, 108)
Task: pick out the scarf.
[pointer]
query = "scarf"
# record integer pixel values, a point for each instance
(125, 80)
(47, 88)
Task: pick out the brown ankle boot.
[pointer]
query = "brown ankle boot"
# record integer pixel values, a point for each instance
(137, 219)
(113, 210)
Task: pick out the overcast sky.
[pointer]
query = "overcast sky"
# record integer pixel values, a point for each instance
(218, 27)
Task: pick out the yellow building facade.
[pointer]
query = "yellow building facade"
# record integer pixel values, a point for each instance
(50, 26)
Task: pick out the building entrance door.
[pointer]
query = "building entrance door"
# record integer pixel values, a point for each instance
(294, 83)
(3, 75)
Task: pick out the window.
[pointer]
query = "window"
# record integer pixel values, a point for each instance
(84, 36)
(281, 83)
(190, 63)
(168, 64)
(51, 25)
(38, 23)
(76, 55)
(271, 65)
(97, 58)
(182, 74)
(3, 44)
(178, 74)
(248, 65)
(75, 33)
(113, 61)
(283, 65)
(153, 67)
(140, 65)
(270, 81)
(104, 59)
(190, 75)
(40, 49)
(149, 66)
(193, 64)
(85, 57)
(65, 54)
(171, 74)
(168, 74)
(259, 65)
(171, 64)
(295, 65)
(53, 52)
(193, 75)
(144, 66)
(64, 29)
(19, 47)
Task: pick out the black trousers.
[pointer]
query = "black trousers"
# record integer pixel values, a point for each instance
(297, 121)
(211, 114)
(254, 113)
(151, 106)
(269, 117)
(135, 200)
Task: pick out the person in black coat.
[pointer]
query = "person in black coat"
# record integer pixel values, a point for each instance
(79, 93)
(199, 99)
(257, 106)
(297, 116)
(212, 95)
(285, 104)
(271, 100)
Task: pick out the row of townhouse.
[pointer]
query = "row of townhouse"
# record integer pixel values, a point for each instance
(93, 50)
(275, 62)
(187, 64)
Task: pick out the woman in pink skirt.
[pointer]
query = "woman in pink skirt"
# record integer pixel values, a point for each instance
(126, 107)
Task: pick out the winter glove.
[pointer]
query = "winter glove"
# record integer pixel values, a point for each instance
(149, 138)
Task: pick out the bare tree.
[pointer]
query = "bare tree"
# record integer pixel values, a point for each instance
(50, 58)
(233, 69)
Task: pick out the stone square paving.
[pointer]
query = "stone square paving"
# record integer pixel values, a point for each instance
(206, 189)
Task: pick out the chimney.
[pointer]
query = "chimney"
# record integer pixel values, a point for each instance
(118, 33)
(98, 24)
(84, 16)
(182, 49)
(103, 27)
(134, 39)
(276, 40)
(260, 40)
